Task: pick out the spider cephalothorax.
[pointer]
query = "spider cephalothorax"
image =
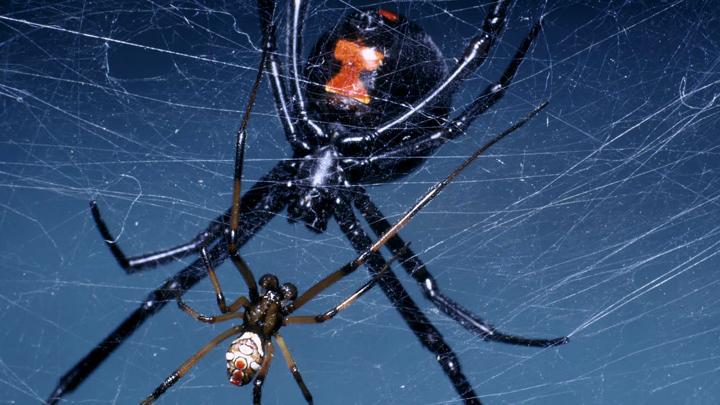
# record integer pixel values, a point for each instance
(367, 69)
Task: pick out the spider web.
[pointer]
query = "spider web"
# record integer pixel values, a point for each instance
(597, 220)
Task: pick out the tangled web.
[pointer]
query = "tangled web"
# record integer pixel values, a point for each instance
(597, 220)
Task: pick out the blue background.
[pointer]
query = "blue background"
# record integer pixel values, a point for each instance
(597, 220)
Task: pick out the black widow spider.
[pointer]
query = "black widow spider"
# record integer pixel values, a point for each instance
(371, 104)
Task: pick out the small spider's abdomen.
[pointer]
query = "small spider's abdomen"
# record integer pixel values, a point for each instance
(244, 358)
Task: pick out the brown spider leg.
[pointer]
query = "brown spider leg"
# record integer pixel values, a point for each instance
(247, 275)
(306, 319)
(244, 271)
(262, 373)
(293, 368)
(429, 336)
(228, 312)
(240, 302)
(189, 363)
(240, 145)
(417, 269)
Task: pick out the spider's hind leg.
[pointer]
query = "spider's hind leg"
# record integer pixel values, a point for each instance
(421, 326)
(417, 270)
(189, 363)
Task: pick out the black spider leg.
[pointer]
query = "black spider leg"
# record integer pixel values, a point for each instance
(416, 320)
(259, 205)
(276, 71)
(473, 57)
(416, 268)
(152, 260)
(134, 264)
(296, 25)
(458, 125)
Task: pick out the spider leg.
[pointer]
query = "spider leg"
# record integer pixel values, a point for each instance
(406, 217)
(293, 368)
(262, 373)
(245, 272)
(428, 335)
(416, 268)
(260, 204)
(241, 138)
(276, 70)
(240, 302)
(296, 25)
(189, 363)
(420, 325)
(305, 319)
(247, 276)
(458, 125)
(152, 260)
(227, 312)
(493, 93)
(473, 57)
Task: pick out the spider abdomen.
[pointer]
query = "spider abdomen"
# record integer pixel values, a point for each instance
(370, 67)
(244, 358)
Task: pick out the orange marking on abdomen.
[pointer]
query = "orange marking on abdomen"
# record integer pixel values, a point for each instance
(388, 15)
(355, 58)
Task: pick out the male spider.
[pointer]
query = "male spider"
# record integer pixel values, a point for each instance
(371, 104)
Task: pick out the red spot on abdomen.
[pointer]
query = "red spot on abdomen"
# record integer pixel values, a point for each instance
(388, 15)
(236, 378)
(356, 59)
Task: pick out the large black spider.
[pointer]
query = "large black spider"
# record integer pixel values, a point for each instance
(372, 102)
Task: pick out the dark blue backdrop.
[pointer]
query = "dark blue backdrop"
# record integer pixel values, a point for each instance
(598, 219)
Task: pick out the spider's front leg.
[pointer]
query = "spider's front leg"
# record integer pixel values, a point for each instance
(227, 312)
(152, 260)
(494, 92)
(240, 302)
